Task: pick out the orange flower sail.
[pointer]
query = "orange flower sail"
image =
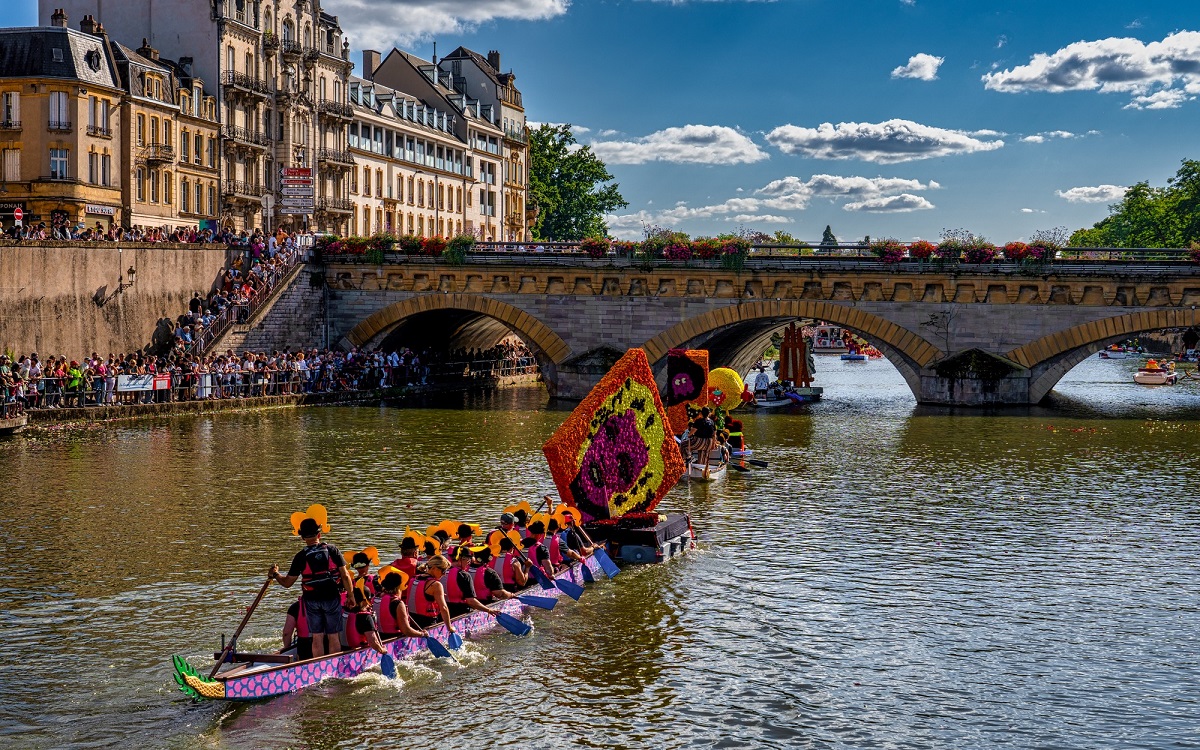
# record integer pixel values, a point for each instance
(616, 453)
(687, 374)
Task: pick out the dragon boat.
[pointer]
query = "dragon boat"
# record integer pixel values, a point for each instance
(252, 677)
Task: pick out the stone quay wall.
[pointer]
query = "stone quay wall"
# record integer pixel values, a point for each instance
(74, 298)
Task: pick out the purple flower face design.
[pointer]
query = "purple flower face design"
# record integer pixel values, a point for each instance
(611, 464)
(682, 387)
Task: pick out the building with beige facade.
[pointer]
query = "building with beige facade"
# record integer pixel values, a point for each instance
(59, 113)
(282, 68)
(483, 79)
(443, 142)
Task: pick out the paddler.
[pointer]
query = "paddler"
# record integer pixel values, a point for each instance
(508, 566)
(426, 597)
(295, 630)
(321, 568)
(489, 586)
(459, 583)
(360, 625)
(577, 547)
(407, 561)
(537, 552)
(393, 614)
(464, 537)
(507, 522)
(364, 581)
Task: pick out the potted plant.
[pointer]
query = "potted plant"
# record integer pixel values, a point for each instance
(888, 250)
(410, 244)
(1018, 252)
(456, 250)
(433, 246)
(922, 250)
(733, 251)
(595, 247)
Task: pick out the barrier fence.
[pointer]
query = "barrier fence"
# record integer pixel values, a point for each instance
(59, 393)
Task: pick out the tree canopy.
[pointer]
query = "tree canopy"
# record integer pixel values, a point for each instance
(1151, 216)
(827, 237)
(570, 185)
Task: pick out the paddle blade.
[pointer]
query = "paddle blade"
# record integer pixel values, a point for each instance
(573, 590)
(512, 624)
(606, 564)
(542, 602)
(542, 579)
(756, 462)
(454, 641)
(588, 576)
(387, 665)
(437, 648)
(737, 467)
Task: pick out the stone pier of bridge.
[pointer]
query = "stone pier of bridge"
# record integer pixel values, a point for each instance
(959, 335)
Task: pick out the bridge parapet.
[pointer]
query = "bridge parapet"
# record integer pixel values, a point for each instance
(924, 317)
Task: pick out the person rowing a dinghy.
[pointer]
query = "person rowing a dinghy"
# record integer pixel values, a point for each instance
(427, 597)
(459, 583)
(393, 614)
(320, 569)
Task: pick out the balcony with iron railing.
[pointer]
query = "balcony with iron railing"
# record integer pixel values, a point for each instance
(235, 81)
(157, 153)
(59, 125)
(335, 205)
(331, 108)
(520, 135)
(10, 124)
(291, 47)
(239, 189)
(334, 156)
(99, 131)
(245, 136)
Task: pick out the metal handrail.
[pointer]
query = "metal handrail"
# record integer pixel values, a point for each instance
(241, 188)
(248, 82)
(331, 154)
(236, 133)
(234, 314)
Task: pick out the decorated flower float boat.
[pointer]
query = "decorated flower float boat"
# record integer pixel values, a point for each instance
(612, 461)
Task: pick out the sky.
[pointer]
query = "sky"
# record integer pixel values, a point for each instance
(887, 118)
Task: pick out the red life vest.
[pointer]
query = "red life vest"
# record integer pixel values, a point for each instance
(532, 554)
(418, 602)
(504, 566)
(454, 594)
(556, 557)
(409, 566)
(387, 623)
(301, 620)
(354, 639)
(482, 591)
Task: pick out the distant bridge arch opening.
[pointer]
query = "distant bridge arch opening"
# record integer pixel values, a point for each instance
(736, 336)
(1051, 357)
(449, 322)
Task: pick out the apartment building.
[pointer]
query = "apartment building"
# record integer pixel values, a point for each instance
(59, 113)
(468, 132)
(282, 69)
(483, 79)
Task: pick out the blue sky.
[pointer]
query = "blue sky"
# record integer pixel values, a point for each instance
(874, 117)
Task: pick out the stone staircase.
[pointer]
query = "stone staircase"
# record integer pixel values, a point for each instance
(292, 318)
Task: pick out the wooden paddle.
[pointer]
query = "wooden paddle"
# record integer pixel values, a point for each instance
(732, 465)
(606, 564)
(233, 641)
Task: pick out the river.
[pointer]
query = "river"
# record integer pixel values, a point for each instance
(898, 578)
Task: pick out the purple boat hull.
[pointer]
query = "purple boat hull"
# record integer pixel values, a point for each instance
(265, 682)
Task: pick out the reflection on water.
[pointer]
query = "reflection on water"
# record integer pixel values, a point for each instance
(899, 577)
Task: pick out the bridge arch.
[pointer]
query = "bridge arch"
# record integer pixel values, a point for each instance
(752, 323)
(548, 347)
(1054, 355)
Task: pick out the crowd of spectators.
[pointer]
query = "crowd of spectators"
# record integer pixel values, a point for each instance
(62, 230)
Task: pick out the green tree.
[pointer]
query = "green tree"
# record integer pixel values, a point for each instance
(827, 238)
(570, 186)
(1150, 216)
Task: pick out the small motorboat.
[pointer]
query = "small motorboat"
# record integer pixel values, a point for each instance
(1155, 374)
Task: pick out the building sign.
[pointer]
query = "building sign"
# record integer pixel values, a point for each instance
(91, 208)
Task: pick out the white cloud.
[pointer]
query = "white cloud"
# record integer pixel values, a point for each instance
(1096, 194)
(1032, 211)
(1163, 99)
(760, 219)
(381, 24)
(1034, 139)
(608, 133)
(1156, 73)
(895, 204)
(921, 66)
(887, 142)
(690, 144)
(1051, 134)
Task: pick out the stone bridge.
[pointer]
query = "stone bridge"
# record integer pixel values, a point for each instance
(958, 334)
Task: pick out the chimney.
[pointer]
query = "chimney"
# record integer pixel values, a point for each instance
(147, 51)
(59, 18)
(88, 25)
(370, 63)
(494, 59)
